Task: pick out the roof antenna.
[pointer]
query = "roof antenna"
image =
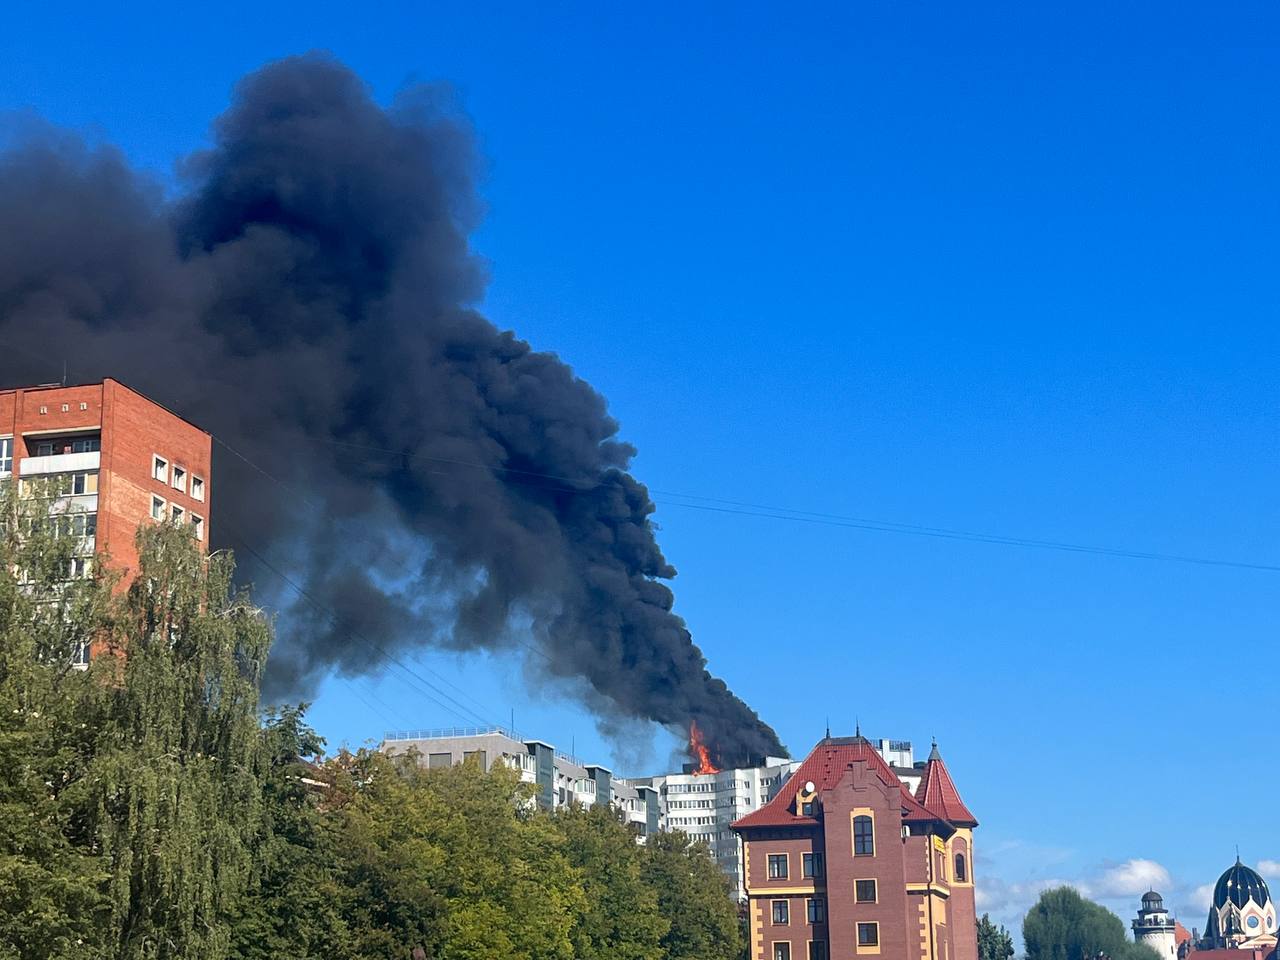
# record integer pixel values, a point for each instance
(828, 728)
(857, 727)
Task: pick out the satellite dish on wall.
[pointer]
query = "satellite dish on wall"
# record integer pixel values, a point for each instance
(808, 787)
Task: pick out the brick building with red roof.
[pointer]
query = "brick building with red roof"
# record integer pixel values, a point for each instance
(845, 861)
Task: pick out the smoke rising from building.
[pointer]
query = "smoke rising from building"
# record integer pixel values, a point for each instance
(308, 297)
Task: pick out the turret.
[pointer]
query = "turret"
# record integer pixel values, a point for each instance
(1154, 927)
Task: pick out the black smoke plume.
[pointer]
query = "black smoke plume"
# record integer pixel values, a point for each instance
(308, 297)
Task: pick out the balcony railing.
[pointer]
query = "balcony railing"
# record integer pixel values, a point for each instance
(60, 463)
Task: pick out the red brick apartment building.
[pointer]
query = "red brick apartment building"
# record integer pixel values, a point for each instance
(846, 862)
(117, 459)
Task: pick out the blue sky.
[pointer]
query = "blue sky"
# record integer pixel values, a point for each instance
(994, 268)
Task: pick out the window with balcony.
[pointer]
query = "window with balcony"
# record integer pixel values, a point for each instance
(76, 484)
(160, 469)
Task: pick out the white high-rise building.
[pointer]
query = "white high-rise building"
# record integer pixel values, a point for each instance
(704, 804)
(560, 778)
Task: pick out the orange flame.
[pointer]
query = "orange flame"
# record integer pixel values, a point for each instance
(698, 748)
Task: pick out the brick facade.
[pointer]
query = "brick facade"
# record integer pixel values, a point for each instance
(44, 427)
(895, 877)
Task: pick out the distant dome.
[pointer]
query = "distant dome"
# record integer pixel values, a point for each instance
(1242, 909)
(1152, 901)
(1239, 885)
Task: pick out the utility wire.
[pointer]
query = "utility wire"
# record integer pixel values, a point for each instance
(774, 512)
(473, 718)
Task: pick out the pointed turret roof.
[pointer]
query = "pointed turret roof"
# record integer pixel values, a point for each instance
(824, 767)
(938, 793)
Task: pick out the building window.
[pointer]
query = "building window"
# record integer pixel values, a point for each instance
(806, 809)
(160, 469)
(80, 658)
(177, 513)
(868, 934)
(43, 410)
(179, 478)
(817, 910)
(782, 951)
(6, 454)
(811, 864)
(86, 445)
(777, 866)
(197, 488)
(77, 484)
(437, 760)
(961, 869)
(817, 950)
(44, 448)
(781, 913)
(83, 405)
(864, 891)
(157, 508)
(864, 844)
(80, 568)
(198, 524)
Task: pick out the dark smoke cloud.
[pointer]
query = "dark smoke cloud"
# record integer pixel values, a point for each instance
(308, 297)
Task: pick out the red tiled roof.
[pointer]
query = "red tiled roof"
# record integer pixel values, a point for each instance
(938, 793)
(825, 765)
(1180, 933)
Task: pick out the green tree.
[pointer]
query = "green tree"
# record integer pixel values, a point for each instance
(290, 907)
(51, 881)
(1065, 926)
(448, 860)
(694, 897)
(994, 943)
(620, 918)
(172, 793)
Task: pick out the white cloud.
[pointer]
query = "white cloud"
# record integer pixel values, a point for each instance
(1132, 878)
(1270, 867)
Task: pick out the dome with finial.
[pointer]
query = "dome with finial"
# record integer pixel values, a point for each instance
(1152, 902)
(1242, 907)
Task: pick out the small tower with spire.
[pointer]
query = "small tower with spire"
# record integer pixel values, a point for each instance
(1154, 927)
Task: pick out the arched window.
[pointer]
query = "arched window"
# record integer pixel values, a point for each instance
(864, 843)
(961, 873)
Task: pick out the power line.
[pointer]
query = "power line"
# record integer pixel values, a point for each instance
(773, 512)
(473, 717)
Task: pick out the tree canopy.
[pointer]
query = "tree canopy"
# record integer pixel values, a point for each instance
(150, 808)
(1063, 925)
(994, 942)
